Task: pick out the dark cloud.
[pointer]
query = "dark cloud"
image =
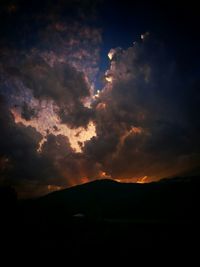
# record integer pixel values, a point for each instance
(146, 114)
(143, 128)
(61, 83)
(49, 56)
(18, 145)
(33, 172)
(27, 112)
(71, 168)
(20, 17)
(53, 52)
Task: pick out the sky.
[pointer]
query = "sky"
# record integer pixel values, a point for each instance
(97, 89)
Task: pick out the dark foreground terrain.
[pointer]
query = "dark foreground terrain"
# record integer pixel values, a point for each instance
(104, 216)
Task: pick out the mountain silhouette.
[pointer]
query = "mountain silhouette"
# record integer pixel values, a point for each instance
(108, 214)
(166, 200)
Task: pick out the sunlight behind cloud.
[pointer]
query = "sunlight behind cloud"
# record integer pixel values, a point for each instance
(48, 123)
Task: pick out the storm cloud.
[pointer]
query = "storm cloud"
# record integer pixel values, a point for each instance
(58, 130)
(143, 118)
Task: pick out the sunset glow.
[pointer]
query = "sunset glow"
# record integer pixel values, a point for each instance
(93, 90)
(53, 125)
(140, 180)
(99, 130)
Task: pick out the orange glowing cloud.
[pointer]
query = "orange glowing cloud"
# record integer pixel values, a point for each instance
(140, 180)
(109, 79)
(101, 106)
(104, 175)
(85, 180)
(48, 122)
(133, 131)
(111, 54)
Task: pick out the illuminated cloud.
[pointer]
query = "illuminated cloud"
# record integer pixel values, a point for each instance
(141, 126)
(46, 91)
(77, 137)
(145, 35)
(75, 43)
(57, 130)
(109, 78)
(111, 54)
(142, 180)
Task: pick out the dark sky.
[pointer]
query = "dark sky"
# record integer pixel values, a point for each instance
(70, 114)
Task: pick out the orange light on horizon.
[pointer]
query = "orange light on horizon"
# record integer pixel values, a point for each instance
(142, 180)
(84, 180)
(54, 187)
(104, 175)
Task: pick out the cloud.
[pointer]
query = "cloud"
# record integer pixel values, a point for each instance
(141, 122)
(56, 132)
(18, 147)
(61, 83)
(32, 172)
(27, 112)
(72, 42)
(48, 65)
(58, 61)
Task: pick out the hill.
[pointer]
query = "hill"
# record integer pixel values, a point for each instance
(109, 215)
(168, 199)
